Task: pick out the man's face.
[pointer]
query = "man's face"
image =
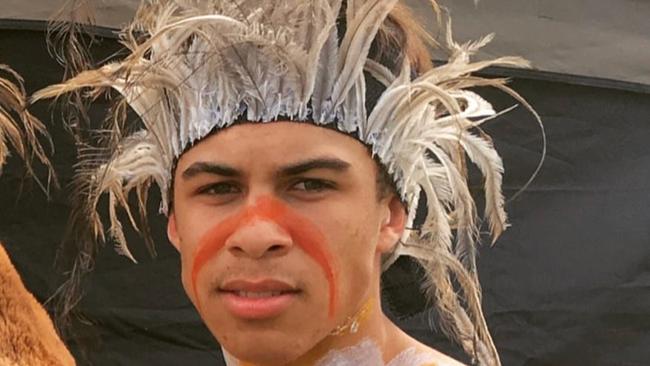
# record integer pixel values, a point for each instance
(280, 232)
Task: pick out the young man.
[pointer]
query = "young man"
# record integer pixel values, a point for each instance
(27, 336)
(292, 141)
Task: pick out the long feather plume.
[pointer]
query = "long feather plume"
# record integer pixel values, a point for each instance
(69, 44)
(20, 129)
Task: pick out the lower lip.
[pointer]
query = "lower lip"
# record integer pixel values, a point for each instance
(257, 307)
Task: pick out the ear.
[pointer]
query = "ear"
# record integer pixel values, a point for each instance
(172, 233)
(392, 225)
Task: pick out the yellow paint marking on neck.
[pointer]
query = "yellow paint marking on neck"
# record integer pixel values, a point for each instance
(353, 323)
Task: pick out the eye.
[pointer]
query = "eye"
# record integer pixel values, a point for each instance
(221, 188)
(313, 185)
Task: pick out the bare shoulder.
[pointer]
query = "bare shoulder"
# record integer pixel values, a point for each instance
(439, 359)
(432, 356)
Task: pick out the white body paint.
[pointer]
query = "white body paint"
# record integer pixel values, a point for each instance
(366, 353)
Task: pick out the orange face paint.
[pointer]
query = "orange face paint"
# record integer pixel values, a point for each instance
(302, 231)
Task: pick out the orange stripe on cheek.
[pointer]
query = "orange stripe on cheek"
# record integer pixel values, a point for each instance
(302, 231)
(210, 244)
(312, 242)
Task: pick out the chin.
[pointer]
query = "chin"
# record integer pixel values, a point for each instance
(268, 342)
(265, 348)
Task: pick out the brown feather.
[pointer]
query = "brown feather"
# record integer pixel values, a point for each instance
(22, 130)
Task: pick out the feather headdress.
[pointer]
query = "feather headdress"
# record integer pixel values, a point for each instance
(19, 128)
(199, 66)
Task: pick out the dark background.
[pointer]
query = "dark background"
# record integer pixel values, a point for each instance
(567, 284)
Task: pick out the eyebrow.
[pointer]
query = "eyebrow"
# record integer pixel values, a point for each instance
(333, 164)
(204, 167)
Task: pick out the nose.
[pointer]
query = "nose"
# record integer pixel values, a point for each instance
(259, 238)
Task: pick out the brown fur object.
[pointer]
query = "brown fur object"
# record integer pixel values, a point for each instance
(27, 335)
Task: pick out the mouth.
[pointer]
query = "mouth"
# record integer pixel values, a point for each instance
(256, 300)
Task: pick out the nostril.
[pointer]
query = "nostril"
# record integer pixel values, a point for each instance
(276, 247)
(237, 250)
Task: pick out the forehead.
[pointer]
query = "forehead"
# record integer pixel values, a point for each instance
(274, 144)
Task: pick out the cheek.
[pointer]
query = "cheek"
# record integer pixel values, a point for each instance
(191, 226)
(186, 273)
(354, 245)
